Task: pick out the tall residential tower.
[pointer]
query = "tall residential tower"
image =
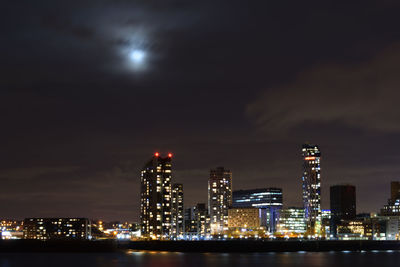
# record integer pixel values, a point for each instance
(156, 198)
(177, 211)
(312, 188)
(219, 199)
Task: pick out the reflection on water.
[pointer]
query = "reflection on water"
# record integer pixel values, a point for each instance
(176, 259)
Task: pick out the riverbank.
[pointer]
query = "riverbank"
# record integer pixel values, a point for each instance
(231, 246)
(242, 246)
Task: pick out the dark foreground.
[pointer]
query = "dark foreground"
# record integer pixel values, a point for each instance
(237, 246)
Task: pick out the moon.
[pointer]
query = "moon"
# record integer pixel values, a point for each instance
(137, 56)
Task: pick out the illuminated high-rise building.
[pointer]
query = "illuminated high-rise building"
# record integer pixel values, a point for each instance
(312, 188)
(219, 199)
(177, 210)
(156, 198)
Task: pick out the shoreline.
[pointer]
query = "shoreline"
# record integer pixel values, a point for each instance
(231, 246)
(242, 246)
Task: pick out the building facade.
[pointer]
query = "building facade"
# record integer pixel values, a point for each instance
(190, 222)
(219, 198)
(56, 228)
(267, 198)
(249, 218)
(369, 228)
(312, 188)
(393, 206)
(197, 222)
(394, 190)
(356, 229)
(246, 222)
(177, 211)
(291, 222)
(156, 198)
(343, 205)
(326, 222)
(202, 220)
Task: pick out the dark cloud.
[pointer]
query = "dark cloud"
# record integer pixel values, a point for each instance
(362, 95)
(233, 83)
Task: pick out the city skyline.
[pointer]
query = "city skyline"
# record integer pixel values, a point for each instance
(170, 155)
(306, 160)
(254, 214)
(258, 213)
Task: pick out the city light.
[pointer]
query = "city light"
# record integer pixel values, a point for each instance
(244, 214)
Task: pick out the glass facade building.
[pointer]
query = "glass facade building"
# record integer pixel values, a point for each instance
(312, 188)
(291, 221)
(267, 198)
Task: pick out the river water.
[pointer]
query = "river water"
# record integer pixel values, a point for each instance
(173, 259)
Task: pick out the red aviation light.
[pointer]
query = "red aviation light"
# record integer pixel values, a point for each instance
(156, 154)
(169, 155)
(309, 158)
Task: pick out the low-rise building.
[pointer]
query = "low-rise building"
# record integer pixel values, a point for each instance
(354, 230)
(369, 228)
(197, 222)
(56, 228)
(326, 221)
(270, 199)
(292, 222)
(247, 222)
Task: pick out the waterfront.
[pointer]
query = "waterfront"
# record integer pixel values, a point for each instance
(176, 259)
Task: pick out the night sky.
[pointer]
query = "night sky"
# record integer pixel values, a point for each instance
(89, 90)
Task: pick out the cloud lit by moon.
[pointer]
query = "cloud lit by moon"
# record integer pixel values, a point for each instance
(136, 53)
(134, 49)
(135, 59)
